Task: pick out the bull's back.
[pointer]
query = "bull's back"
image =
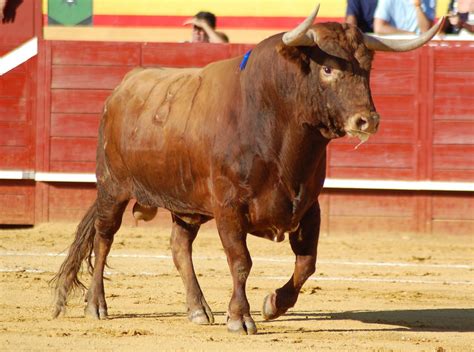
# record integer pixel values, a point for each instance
(158, 130)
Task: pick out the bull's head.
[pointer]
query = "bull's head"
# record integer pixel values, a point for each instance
(337, 59)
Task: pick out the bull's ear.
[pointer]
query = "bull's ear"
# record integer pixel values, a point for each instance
(295, 55)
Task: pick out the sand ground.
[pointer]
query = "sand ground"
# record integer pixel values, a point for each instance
(371, 292)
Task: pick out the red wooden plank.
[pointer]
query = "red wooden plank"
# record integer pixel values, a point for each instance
(453, 157)
(17, 202)
(78, 101)
(454, 83)
(14, 134)
(12, 109)
(13, 157)
(183, 54)
(5, 49)
(459, 206)
(73, 149)
(453, 108)
(395, 106)
(13, 84)
(95, 53)
(453, 175)
(393, 82)
(373, 173)
(373, 156)
(72, 166)
(407, 61)
(239, 49)
(454, 59)
(75, 125)
(87, 77)
(70, 201)
(372, 203)
(23, 28)
(453, 132)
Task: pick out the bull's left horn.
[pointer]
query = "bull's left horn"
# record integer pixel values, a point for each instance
(385, 44)
(298, 35)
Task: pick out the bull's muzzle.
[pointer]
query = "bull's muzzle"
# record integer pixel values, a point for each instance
(362, 125)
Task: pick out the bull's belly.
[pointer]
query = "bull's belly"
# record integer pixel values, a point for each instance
(171, 191)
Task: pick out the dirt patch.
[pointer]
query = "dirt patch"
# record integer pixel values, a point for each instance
(371, 292)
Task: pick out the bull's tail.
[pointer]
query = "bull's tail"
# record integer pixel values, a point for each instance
(67, 280)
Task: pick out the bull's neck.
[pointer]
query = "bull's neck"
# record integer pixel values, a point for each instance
(279, 118)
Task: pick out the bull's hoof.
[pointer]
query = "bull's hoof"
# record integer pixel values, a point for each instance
(269, 309)
(244, 326)
(201, 317)
(94, 312)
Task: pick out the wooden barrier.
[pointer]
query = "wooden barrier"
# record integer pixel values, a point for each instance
(50, 108)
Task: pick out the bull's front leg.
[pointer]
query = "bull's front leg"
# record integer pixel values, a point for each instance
(304, 243)
(234, 241)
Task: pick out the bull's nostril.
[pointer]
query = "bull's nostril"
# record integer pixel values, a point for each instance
(362, 124)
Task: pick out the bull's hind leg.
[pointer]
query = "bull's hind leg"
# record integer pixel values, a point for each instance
(304, 243)
(109, 219)
(182, 237)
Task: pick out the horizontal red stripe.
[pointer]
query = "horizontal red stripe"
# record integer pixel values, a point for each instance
(222, 22)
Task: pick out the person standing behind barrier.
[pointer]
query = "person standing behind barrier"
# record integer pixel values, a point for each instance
(460, 16)
(8, 10)
(404, 16)
(360, 13)
(204, 29)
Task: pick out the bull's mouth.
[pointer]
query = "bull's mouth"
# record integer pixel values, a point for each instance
(330, 132)
(363, 136)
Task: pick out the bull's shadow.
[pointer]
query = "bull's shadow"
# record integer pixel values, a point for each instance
(443, 319)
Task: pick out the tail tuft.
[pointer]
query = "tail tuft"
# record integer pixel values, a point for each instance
(67, 280)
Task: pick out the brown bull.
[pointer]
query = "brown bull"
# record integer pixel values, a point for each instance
(246, 146)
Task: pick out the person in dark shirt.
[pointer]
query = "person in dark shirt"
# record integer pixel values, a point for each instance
(361, 14)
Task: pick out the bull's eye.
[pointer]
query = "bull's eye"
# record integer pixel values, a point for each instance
(327, 70)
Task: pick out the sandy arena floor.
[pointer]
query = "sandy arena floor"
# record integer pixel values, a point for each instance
(370, 292)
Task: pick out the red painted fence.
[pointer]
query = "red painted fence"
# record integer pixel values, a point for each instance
(50, 108)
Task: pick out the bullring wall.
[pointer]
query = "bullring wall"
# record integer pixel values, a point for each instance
(50, 107)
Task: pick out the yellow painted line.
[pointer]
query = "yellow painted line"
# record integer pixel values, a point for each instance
(147, 34)
(286, 8)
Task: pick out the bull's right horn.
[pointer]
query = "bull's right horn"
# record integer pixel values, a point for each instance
(298, 35)
(385, 44)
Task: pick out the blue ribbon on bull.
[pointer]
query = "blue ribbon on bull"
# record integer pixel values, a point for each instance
(244, 60)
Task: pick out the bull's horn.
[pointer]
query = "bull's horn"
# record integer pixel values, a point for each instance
(298, 36)
(385, 44)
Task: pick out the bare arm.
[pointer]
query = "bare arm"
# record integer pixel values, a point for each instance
(214, 37)
(424, 23)
(383, 27)
(8, 10)
(351, 19)
(468, 27)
